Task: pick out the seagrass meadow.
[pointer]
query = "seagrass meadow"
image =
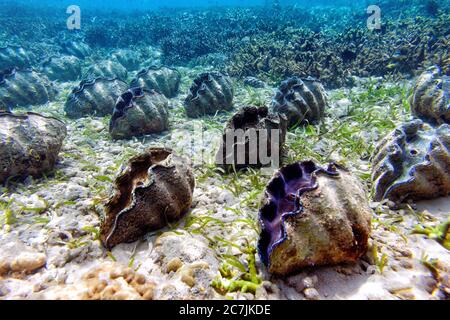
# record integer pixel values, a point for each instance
(117, 181)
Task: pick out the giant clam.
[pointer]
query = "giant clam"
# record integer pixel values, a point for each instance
(412, 162)
(130, 59)
(24, 88)
(430, 100)
(94, 97)
(312, 216)
(106, 69)
(254, 82)
(164, 80)
(250, 135)
(301, 100)
(137, 112)
(29, 144)
(14, 57)
(76, 48)
(62, 68)
(154, 189)
(211, 92)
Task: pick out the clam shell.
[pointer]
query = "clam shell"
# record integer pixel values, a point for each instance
(164, 80)
(139, 112)
(301, 100)
(29, 144)
(312, 216)
(153, 190)
(412, 162)
(211, 92)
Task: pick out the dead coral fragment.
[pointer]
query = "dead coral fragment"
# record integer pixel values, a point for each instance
(115, 282)
(155, 189)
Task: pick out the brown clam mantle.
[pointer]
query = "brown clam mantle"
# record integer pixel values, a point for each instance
(153, 190)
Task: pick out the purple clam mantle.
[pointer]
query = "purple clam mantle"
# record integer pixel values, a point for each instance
(283, 199)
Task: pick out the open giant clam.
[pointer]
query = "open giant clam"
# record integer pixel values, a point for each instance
(312, 216)
(162, 79)
(29, 144)
(94, 97)
(412, 162)
(154, 189)
(210, 93)
(301, 100)
(24, 87)
(137, 112)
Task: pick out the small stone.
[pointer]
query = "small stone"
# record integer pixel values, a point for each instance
(39, 287)
(4, 267)
(392, 205)
(97, 125)
(3, 290)
(371, 270)
(405, 294)
(346, 270)
(225, 197)
(149, 294)
(75, 192)
(28, 262)
(139, 279)
(261, 293)
(168, 292)
(343, 103)
(309, 282)
(174, 265)
(406, 253)
(311, 294)
(187, 279)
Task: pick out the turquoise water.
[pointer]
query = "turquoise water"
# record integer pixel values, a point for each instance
(90, 88)
(152, 4)
(127, 5)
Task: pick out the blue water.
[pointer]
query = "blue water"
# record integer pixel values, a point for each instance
(133, 5)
